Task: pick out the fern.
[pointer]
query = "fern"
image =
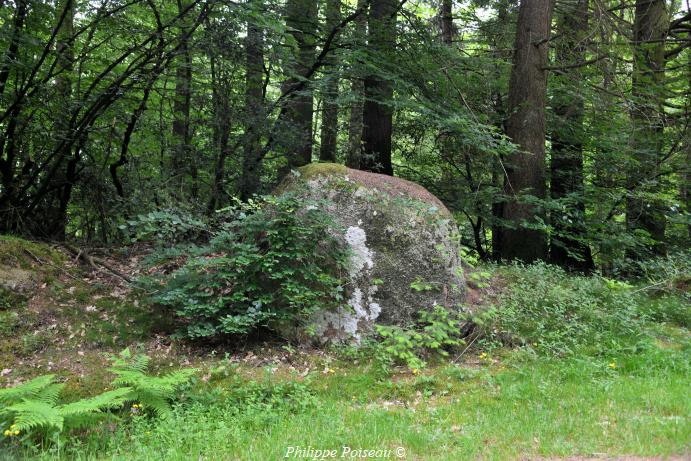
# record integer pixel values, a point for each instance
(29, 389)
(82, 412)
(153, 392)
(32, 414)
(34, 405)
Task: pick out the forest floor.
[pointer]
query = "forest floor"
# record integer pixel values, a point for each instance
(269, 401)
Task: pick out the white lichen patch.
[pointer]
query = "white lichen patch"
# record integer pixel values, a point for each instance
(344, 323)
(362, 256)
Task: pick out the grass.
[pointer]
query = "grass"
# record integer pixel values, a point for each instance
(567, 366)
(509, 407)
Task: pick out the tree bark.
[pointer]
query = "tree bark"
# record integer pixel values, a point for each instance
(181, 162)
(13, 49)
(254, 111)
(377, 111)
(686, 174)
(446, 21)
(526, 128)
(567, 247)
(301, 22)
(329, 126)
(647, 86)
(220, 94)
(357, 90)
(501, 43)
(54, 222)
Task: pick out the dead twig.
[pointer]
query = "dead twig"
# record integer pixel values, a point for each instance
(44, 262)
(96, 263)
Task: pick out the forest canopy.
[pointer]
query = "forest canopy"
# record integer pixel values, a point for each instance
(552, 130)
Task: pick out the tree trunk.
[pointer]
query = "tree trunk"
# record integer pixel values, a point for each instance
(567, 248)
(500, 44)
(686, 171)
(13, 49)
(526, 128)
(301, 22)
(377, 111)
(54, 220)
(221, 134)
(446, 21)
(254, 111)
(329, 127)
(647, 85)
(357, 90)
(181, 162)
(8, 214)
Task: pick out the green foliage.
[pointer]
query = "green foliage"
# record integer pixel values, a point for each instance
(257, 396)
(34, 408)
(9, 321)
(164, 227)
(151, 392)
(479, 278)
(420, 285)
(274, 262)
(668, 274)
(436, 332)
(560, 314)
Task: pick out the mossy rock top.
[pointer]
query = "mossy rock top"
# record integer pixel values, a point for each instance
(403, 242)
(391, 185)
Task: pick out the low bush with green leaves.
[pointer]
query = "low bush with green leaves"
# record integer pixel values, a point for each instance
(437, 331)
(668, 274)
(559, 314)
(274, 263)
(165, 227)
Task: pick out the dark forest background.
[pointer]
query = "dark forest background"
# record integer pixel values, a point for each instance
(554, 131)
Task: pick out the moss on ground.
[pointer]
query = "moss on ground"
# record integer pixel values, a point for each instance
(17, 252)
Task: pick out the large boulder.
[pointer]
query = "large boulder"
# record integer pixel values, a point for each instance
(404, 247)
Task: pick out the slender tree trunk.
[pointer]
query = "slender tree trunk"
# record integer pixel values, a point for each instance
(686, 174)
(220, 84)
(377, 110)
(8, 221)
(499, 45)
(301, 21)
(357, 90)
(181, 162)
(526, 128)
(329, 127)
(254, 111)
(54, 220)
(446, 21)
(649, 33)
(567, 247)
(13, 49)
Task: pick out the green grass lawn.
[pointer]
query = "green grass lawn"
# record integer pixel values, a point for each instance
(511, 406)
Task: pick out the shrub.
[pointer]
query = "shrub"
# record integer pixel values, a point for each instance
(559, 313)
(164, 227)
(437, 331)
(275, 262)
(668, 274)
